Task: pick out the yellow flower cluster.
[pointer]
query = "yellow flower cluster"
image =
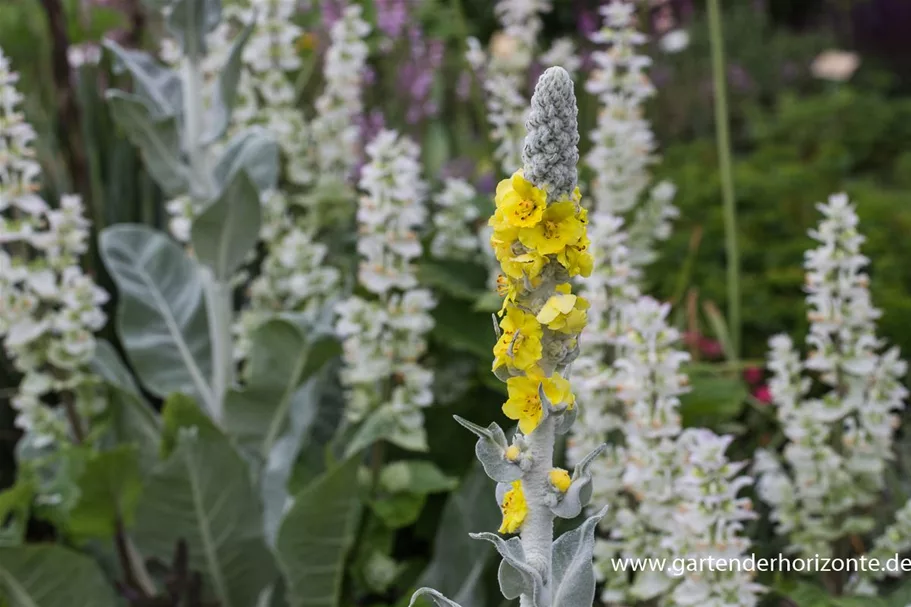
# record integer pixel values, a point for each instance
(530, 233)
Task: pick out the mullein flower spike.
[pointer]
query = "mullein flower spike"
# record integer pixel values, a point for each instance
(540, 240)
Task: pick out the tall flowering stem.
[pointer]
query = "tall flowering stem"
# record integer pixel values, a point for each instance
(840, 442)
(540, 240)
(385, 336)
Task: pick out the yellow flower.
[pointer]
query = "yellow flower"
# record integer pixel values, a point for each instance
(519, 345)
(515, 265)
(514, 509)
(560, 479)
(521, 203)
(564, 311)
(559, 228)
(524, 404)
(576, 258)
(512, 453)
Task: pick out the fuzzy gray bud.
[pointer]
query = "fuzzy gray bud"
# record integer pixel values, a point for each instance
(551, 153)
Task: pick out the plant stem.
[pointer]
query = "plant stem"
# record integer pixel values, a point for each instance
(219, 306)
(722, 137)
(201, 183)
(538, 527)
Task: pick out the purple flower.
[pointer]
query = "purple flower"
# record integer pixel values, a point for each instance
(416, 74)
(392, 17)
(331, 11)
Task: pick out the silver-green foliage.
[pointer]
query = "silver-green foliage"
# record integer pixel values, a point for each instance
(211, 472)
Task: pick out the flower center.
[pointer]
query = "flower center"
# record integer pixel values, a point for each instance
(551, 229)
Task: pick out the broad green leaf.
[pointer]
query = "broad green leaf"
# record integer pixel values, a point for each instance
(281, 358)
(460, 279)
(415, 476)
(714, 398)
(15, 504)
(228, 228)
(517, 574)
(284, 454)
(202, 494)
(190, 21)
(161, 313)
(45, 575)
(253, 150)
(155, 84)
(316, 536)
(399, 510)
(180, 412)
(459, 327)
(458, 562)
(225, 95)
(158, 140)
(134, 419)
(109, 490)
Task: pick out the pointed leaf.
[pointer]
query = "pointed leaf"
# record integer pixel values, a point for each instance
(190, 21)
(158, 140)
(579, 493)
(491, 452)
(438, 599)
(316, 536)
(109, 490)
(181, 412)
(285, 452)
(15, 506)
(227, 230)
(51, 576)
(202, 494)
(573, 574)
(226, 93)
(514, 557)
(281, 358)
(253, 150)
(161, 314)
(155, 84)
(383, 424)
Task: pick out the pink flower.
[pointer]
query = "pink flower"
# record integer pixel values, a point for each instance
(763, 394)
(752, 375)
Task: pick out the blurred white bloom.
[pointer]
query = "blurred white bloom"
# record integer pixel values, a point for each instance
(385, 338)
(334, 129)
(563, 53)
(839, 443)
(835, 65)
(453, 219)
(674, 41)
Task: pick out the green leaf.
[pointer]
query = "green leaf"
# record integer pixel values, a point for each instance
(180, 412)
(161, 313)
(435, 150)
(461, 279)
(15, 504)
(159, 87)
(253, 150)
(316, 536)
(134, 420)
(225, 95)
(203, 495)
(457, 565)
(714, 397)
(415, 476)
(399, 510)
(228, 228)
(190, 21)
(51, 576)
(459, 327)
(158, 140)
(281, 358)
(382, 424)
(109, 490)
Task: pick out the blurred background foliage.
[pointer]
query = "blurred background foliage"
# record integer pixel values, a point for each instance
(796, 139)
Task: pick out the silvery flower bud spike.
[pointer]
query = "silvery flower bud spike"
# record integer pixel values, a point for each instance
(540, 239)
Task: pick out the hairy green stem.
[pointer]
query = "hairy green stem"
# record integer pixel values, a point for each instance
(538, 529)
(722, 137)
